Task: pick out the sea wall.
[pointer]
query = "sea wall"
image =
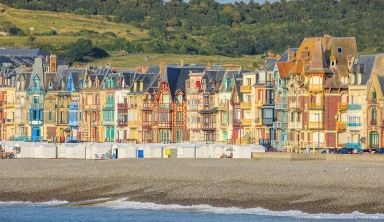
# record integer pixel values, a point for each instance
(318, 156)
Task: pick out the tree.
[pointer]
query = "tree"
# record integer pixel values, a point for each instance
(84, 51)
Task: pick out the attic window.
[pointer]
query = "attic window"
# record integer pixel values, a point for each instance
(333, 63)
(339, 50)
(50, 85)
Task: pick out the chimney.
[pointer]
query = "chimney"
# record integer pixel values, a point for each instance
(181, 62)
(52, 63)
(141, 86)
(135, 86)
(291, 55)
(162, 68)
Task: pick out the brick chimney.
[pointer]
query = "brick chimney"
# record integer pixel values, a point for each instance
(53, 63)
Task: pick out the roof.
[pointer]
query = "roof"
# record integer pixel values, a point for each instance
(318, 63)
(381, 83)
(284, 56)
(269, 64)
(284, 68)
(21, 52)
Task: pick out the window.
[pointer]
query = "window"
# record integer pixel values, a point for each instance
(50, 85)
(179, 136)
(374, 139)
(50, 115)
(339, 50)
(35, 99)
(373, 114)
(179, 117)
(373, 94)
(180, 99)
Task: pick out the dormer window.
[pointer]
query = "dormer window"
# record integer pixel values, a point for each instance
(373, 94)
(179, 99)
(339, 50)
(50, 85)
(36, 82)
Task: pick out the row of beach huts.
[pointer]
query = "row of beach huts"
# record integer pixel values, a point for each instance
(123, 150)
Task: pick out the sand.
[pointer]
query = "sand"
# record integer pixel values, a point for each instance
(309, 186)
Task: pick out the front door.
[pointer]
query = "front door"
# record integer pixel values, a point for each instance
(35, 134)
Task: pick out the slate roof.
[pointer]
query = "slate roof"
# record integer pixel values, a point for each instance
(269, 64)
(284, 56)
(364, 66)
(21, 52)
(233, 76)
(177, 75)
(381, 82)
(318, 63)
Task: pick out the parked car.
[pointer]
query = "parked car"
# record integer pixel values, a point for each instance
(73, 141)
(380, 151)
(346, 150)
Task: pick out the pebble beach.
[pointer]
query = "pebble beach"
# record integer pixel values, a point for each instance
(308, 186)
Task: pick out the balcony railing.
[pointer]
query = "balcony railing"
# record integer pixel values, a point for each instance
(353, 124)
(223, 106)
(167, 106)
(269, 84)
(341, 126)
(122, 106)
(59, 106)
(354, 106)
(133, 123)
(316, 106)
(36, 106)
(259, 104)
(108, 122)
(109, 106)
(265, 142)
(279, 125)
(281, 106)
(258, 122)
(246, 89)
(353, 145)
(315, 125)
(343, 106)
(9, 121)
(35, 91)
(294, 105)
(315, 87)
(245, 105)
(208, 126)
(73, 106)
(295, 125)
(91, 106)
(373, 122)
(268, 121)
(246, 122)
(73, 122)
(9, 105)
(372, 101)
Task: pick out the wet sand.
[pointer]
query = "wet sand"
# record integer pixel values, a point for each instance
(309, 186)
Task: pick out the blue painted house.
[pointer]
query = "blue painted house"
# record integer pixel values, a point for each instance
(36, 94)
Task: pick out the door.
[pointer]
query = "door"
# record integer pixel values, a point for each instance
(35, 134)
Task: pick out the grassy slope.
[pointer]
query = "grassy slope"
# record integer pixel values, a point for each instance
(67, 25)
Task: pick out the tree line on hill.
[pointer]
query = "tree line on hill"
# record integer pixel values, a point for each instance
(206, 27)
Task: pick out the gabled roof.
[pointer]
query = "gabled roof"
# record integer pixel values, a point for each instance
(283, 68)
(21, 52)
(318, 63)
(269, 64)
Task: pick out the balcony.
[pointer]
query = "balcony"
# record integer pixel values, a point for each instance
(268, 121)
(258, 122)
(9, 105)
(353, 146)
(36, 106)
(73, 123)
(316, 106)
(91, 106)
(269, 103)
(133, 124)
(237, 123)
(279, 125)
(9, 122)
(35, 91)
(208, 126)
(109, 106)
(59, 106)
(294, 106)
(246, 89)
(269, 84)
(295, 125)
(373, 122)
(259, 104)
(315, 87)
(354, 106)
(315, 125)
(223, 106)
(246, 122)
(341, 126)
(281, 106)
(165, 106)
(353, 124)
(245, 105)
(122, 123)
(73, 106)
(343, 106)
(277, 144)
(108, 122)
(122, 106)
(372, 101)
(265, 142)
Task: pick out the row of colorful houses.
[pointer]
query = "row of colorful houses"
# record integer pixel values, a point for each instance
(319, 95)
